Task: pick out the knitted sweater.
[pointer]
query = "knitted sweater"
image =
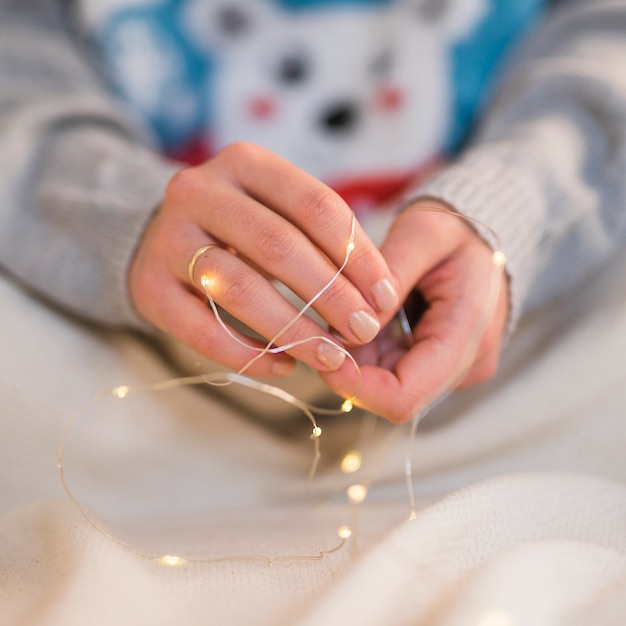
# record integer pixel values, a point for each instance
(81, 174)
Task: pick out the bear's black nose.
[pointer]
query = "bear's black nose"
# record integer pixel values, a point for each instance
(339, 117)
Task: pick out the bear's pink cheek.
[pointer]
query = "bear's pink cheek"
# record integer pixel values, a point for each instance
(389, 98)
(261, 108)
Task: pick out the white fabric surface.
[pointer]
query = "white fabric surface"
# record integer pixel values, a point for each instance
(520, 486)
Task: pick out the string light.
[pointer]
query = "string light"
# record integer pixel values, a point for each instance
(357, 493)
(344, 532)
(498, 259)
(171, 561)
(347, 405)
(351, 462)
(496, 618)
(270, 348)
(228, 378)
(120, 392)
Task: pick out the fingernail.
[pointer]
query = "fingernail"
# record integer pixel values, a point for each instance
(385, 296)
(283, 368)
(364, 326)
(330, 356)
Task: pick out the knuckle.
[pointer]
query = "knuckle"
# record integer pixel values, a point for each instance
(322, 209)
(403, 411)
(239, 289)
(240, 151)
(362, 257)
(182, 184)
(335, 297)
(276, 244)
(296, 334)
(206, 340)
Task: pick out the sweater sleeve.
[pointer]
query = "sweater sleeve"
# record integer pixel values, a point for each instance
(78, 183)
(546, 168)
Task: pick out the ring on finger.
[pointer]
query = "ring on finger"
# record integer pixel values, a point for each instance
(194, 259)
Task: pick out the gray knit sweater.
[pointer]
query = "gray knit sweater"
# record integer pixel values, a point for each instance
(546, 168)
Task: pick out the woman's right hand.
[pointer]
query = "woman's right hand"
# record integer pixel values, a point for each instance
(271, 221)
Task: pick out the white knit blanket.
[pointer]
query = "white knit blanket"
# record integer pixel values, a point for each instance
(519, 485)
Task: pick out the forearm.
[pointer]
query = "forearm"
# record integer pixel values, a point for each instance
(77, 185)
(546, 168)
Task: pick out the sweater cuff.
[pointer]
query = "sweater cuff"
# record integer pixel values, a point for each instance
(142, 179)
(103, 190)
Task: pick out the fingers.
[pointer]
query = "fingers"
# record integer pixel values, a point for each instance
(295, 229)
(241, 219)
(443, 353)
(188, 319)
(456, 341)
(418, 240)
(254, 301)
(169, 303)
(254, 218)
(324, 218)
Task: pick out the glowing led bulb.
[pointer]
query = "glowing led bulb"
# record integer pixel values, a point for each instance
(120, 392)
(344, 532)
(351, 462)
(171, 560)
(495, 618)
(350, 246)
(357, 493)
(347, 405)
(317, 432)
(498, 258)
(205, 281)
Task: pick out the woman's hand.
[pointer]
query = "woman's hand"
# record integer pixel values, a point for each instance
(271, 220)
(458, 337)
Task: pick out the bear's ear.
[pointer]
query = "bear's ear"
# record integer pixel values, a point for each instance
(453, 18)
(215, 23)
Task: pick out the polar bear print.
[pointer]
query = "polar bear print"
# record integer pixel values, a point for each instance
(352, 93)
(357, 93)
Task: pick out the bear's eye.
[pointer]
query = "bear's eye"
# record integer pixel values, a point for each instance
(293, 68)
(381, 64)
(433, 10)
(232, 20)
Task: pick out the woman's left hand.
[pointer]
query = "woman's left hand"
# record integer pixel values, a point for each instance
(457, 340)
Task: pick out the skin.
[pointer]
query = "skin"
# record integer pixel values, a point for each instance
(284, 224)
(458, 339)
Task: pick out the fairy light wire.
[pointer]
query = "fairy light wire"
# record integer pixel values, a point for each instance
(356, 492)
(227, 378)
(498, 260)
(122, 392)
(269, 347)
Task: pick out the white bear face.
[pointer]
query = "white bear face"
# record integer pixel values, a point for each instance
(342, 91)
(359, 93)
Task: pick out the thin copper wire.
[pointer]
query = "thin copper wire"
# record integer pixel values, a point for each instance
(309, 410)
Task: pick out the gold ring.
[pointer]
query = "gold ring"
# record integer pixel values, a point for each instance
(194, 259)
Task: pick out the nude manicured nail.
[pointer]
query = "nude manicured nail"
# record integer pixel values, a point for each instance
(330, 356)
(385, 296)
(364, 326)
